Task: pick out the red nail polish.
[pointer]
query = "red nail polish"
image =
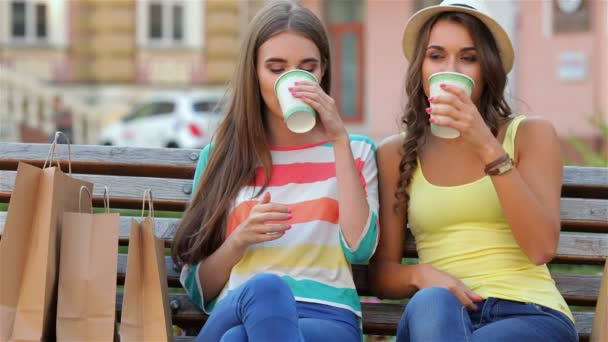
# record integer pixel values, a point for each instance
(431, 120)
(442, 85)
(431, 99)
(428, 110)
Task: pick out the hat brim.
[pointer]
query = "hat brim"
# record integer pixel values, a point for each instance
(417, 21)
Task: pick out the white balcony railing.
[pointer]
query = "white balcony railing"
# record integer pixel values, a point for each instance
(27, 101)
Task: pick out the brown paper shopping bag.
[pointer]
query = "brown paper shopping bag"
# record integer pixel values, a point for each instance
(600, 322)
(29, 249)
(86, 296)
(145, 306)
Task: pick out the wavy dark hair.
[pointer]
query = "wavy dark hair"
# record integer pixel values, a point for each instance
(492, 104)
(241, 144)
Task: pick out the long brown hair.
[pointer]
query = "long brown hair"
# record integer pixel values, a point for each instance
(240, 143)
(492, 104)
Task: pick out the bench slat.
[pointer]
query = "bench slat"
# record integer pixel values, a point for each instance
(577, 289)
(127, 161)
(584, 215)
(378, 318)
(573, 247)
(126, 192)
(577, 214)
(579, 248)
(172, 194)
(588, 182)
(578, 181)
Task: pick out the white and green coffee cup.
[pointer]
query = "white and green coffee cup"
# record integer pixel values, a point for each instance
(299, 116)
(461, 81)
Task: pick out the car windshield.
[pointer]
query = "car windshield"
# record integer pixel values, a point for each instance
(151, 109)
(207, 106)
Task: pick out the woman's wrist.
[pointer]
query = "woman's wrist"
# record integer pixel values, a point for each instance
(340, 138)
(490, 153)
(419, 273)
(235, 247)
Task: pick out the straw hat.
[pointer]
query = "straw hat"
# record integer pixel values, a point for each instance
(476, 8)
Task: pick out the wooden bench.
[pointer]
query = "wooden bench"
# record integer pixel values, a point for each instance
(168, 172)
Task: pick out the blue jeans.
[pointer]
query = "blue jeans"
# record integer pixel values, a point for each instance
(436, 314)
(264, 309)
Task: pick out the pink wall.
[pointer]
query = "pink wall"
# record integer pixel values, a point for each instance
(566, 103)
(385, 66)
(601, 20)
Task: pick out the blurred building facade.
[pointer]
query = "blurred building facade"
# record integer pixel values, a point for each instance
(106, 52)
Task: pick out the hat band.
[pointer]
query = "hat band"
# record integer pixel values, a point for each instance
(463, 5)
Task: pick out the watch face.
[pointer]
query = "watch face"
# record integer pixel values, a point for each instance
(569, 6)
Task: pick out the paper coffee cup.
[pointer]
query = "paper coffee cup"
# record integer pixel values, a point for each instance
(299, 116)
(455, 79)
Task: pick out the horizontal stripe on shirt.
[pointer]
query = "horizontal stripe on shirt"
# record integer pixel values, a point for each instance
(322, 209)
(301, 255)
(301, 173)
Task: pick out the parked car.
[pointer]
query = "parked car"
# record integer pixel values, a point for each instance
(168, 119)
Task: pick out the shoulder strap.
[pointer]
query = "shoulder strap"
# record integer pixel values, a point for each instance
(509, 141)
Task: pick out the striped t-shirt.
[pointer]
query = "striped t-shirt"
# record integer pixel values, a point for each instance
(312, 257)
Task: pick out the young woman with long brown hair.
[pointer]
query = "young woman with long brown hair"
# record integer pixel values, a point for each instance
(278, 217)
(483, 207)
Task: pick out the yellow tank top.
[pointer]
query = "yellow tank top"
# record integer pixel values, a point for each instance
(462, 231)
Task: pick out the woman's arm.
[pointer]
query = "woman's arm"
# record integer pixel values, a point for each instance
(212, 273)
(352, 197)
(388, 277)
(530, 193)
(353, 204)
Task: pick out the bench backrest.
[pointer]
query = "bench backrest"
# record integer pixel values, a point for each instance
(168, 172)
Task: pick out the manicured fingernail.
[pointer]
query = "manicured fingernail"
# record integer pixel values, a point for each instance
(442, 85)
(289, 210)
(431, 99)
(296, 83)
(431, 120)
(290, 216)
(288, 227)
(428, 110)
(290, 88)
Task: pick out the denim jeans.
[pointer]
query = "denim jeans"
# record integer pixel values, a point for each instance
(264, 309)
(436, 314)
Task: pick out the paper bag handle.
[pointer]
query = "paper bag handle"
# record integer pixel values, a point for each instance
(148, 196)
(106, 199)
(80, 198)
(53, 153)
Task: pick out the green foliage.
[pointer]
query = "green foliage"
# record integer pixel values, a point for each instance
(589, 156)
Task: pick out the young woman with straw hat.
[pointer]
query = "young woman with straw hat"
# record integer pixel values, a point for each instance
(483, 207)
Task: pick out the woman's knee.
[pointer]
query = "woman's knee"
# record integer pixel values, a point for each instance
(433, 300)
(265, 285)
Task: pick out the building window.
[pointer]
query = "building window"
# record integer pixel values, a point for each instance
(345, 26)
(571, 16)
(165, 23)
(29, 22)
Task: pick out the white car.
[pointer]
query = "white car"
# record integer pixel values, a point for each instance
(168, 119)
